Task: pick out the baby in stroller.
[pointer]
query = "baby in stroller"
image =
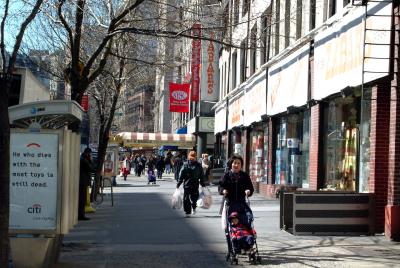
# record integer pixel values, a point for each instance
(242, 236)
(151, 177)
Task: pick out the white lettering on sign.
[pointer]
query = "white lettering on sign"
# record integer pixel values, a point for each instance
(179, 95)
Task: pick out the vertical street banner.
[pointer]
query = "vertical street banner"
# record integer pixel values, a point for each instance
(196, 58)
(85, 102)
(179, 98)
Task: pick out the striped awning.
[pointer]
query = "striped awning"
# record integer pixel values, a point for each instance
(138, 139)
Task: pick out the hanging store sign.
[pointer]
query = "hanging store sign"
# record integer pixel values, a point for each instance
(196, 61)
(209, 72)
(288, 82)
(179, 98)
(338, 54)
(220, 120)
(235, 112)
(255, 99)
(33, 181)
(206, 124)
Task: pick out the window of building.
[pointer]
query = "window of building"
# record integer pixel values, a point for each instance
(265, 34)
(265, 154)
(287, 23)
(292, 153)
(253, 49)
(365, 144)
(340, 134)
(299, 18)
(257, 154)
(243, 63)
(277, 19)
(330, 9)
(236, 12)
(312, 14)
(234, 70)
(245, 7)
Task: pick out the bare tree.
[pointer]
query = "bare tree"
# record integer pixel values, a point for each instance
(6, 77)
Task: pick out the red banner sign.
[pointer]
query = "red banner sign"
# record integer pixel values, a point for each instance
(85, 102)
(179, 98)
(196, 54)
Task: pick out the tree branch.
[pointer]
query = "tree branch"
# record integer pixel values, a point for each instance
(2, 47)
(64, 23)
(20, 35)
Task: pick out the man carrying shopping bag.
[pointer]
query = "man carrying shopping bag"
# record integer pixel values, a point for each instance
(191, 175)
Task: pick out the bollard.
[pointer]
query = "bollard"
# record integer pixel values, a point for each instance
(88, 205)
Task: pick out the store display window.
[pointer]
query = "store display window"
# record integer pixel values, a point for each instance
(257, 155)
(292, 141)
(340, 134)
(365, 129)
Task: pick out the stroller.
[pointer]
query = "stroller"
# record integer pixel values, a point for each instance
(239, 220)
(151, 177)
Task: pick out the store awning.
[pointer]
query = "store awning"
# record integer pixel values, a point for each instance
(151, 140)
(182, 130)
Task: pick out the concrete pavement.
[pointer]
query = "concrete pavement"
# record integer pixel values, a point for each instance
(141, 230)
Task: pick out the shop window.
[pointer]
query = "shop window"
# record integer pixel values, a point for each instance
(266, 155)
(257, 155)
(365, 129)
(305, 151)
(340, 148)
(290, 165)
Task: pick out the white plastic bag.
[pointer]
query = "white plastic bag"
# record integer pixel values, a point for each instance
(223, 217)
(205, 198)
(176, 202)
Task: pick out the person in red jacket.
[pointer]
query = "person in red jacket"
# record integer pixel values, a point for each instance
(241, 235)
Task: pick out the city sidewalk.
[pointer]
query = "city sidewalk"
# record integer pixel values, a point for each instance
(141, 230)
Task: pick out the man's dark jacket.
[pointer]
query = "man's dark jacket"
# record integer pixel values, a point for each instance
(191, 175)
(86, 169)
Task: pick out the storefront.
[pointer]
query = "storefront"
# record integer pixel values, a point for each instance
(286, 104)
(235, 121)
(257, 144)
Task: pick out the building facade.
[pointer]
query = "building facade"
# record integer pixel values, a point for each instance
(309, 98)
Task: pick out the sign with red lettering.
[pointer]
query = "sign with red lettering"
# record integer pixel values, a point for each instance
(196, 55)
(179, 98)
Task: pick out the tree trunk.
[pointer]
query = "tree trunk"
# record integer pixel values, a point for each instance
(4, 172)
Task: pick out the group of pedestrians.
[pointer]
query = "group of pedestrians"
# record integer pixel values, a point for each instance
(235, 185)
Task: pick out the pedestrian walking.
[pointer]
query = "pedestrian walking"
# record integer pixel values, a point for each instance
(85, 170)
(178, 163)
(167, 162)
(160, 165)
(191, 175)
(236, 184)
(206, 165)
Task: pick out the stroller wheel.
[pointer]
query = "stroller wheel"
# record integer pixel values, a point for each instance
(228, 256)
(259, 259)
(234, 260)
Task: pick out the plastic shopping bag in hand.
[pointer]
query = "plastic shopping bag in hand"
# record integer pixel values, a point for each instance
(176, 201)
(223, 218)
(207, 198)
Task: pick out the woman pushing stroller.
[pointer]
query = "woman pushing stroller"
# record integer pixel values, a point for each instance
(236, 185)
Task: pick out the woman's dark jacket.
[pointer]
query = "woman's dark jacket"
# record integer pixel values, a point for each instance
(236, 184)
(191, 175)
